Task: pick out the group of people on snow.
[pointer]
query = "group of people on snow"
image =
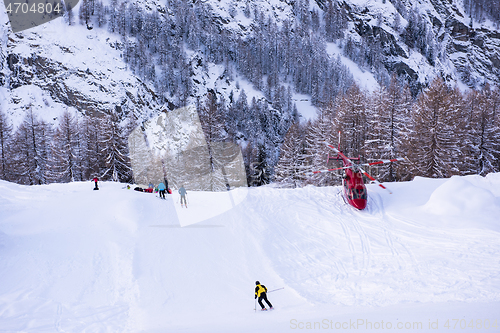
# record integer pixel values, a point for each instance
(162, 188)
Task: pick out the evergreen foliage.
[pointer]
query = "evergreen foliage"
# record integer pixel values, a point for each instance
(443, 132)
(114, 150)
(435, 134)
(480, 10)
(66, 150)
(5, 144)
(290, 167)
(31, 146)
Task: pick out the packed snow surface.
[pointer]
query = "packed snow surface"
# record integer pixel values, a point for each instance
(116, 260)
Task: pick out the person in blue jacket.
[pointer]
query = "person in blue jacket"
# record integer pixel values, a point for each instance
(161, 189)
(182, 192)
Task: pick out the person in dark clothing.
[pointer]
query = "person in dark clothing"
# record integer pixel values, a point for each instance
(260, 292)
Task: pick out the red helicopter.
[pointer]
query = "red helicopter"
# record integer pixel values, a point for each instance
(354, 188)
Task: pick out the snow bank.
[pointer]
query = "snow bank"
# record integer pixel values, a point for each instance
(467, 202)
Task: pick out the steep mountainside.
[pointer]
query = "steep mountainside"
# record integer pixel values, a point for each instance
(56, 66)
(453, 46)
(416, 39)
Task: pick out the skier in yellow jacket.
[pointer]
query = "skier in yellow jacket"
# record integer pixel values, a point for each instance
(260, 292)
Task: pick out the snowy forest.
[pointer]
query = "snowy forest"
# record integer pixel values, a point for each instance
(442, 130)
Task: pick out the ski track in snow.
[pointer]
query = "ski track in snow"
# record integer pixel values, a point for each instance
(115, 260)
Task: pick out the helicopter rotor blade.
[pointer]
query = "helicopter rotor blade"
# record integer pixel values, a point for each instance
(384, 161)
(324, 171)
(374, 180)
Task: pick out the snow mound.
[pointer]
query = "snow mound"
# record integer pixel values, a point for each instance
(465, 197)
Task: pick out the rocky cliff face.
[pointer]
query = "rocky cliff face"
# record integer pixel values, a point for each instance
(71, 67)
(462, 51)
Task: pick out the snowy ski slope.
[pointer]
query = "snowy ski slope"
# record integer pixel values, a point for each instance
(116, 260)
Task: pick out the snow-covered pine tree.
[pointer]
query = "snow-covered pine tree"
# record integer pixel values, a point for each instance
(259, 168)
(31, 151)
(249, 153)
(68, 14)
(289, 170)
(92, 147)
(117, 162)
(320, 131)
(85, 12)
(351, 121)
(65, 150)
(376, 144)
(389, 116)
(80, 148)
(5, 143)
(231, 121)
(113, 16)
(400, 97)
(434, 136)
(410, 33)
(100, 14)
(335, 21)
(45, 134)
(212, 119)
(251, 122)
(240, 111)
(482, 140)
(479, 10)
(211, 115)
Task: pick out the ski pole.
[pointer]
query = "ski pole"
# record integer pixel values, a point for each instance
(275, 290)
(255, 307)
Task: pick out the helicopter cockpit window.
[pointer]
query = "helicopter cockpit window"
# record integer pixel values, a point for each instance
(362, 193)
(359, 193)
(350, 193)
